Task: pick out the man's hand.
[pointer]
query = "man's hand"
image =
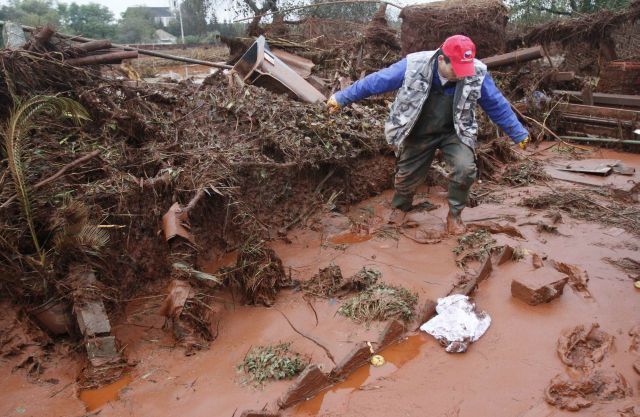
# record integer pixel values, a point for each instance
(523, 144)
(332, 105)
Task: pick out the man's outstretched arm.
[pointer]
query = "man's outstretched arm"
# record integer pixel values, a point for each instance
(499, 111)
(385, 80)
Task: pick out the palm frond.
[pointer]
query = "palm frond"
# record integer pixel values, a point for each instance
(14, 133)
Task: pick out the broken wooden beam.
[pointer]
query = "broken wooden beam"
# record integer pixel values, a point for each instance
(515, 57)
(599, 112)
(604, 98)
(95, 45)
(111, 58)
(563, 76)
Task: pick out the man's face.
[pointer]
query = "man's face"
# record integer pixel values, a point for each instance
(446, 70)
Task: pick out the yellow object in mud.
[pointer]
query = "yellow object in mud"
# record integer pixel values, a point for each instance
(637, 284)
(377, 360)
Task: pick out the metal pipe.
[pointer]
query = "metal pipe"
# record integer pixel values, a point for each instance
(140, 51)
(606, 140)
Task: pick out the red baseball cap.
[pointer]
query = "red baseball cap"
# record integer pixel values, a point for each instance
(461, 51)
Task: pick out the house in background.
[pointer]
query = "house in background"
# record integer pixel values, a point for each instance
(161, 15)
(162, 37)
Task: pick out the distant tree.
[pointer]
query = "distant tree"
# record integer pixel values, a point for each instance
(30, 12)
(357, 12)
(91, 20)
(136, 26)
(194, 16)
(532, 11)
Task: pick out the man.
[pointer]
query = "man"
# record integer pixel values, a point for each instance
(435, 108)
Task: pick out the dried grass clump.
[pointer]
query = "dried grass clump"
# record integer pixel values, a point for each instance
(272, 362)
(328, 282)
(380, 302)
(477, 245)
(426, 26)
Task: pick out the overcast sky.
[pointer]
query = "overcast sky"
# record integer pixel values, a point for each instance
(119, 6)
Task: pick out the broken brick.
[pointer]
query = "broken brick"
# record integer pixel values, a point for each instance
(539, 286)
(102, 350)
(310, 382)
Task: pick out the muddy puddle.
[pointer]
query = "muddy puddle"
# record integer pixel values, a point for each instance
(182, 72)
(96, 398)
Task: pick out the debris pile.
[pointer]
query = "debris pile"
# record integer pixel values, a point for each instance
(425, 26)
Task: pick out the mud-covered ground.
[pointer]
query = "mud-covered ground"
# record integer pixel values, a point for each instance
(507, 372)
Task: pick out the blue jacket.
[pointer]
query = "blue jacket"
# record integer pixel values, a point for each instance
(389, 79)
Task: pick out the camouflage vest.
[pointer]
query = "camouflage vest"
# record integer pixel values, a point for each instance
(405, 110)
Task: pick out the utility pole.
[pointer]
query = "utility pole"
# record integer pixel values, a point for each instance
(177, 5)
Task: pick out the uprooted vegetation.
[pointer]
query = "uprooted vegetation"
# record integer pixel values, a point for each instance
(250, 156)
(380, 302)
(276, 362)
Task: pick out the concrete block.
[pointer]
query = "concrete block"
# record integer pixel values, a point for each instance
(92, 319)
(311, 381)
(102, 350)
(539, 286)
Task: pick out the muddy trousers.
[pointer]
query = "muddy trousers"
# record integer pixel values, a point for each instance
(413, 165)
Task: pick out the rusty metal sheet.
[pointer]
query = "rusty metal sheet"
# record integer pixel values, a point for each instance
(602, 167)
(259, 66)
(175, 222)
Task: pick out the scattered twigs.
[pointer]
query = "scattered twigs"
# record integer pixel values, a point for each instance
(329, 355)
(57, 175)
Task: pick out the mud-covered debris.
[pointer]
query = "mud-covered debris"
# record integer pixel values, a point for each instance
(582, 346)
(22, 340)
(380, 302)
(175, 222)
(539, 286)
(524, 173)
(425, 26)
(259, 274)
(458, 323)
(578, 277)
(634, 333)
(574, 394)
(325, 283)
(310, 381)
(630, 266)
(54, 316)
(272, 362)
(495, 227)
(189, 316)
(589, 204)
(477, 245)
(328, 282)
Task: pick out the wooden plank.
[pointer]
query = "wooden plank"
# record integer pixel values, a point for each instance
(604, 98)
(515, 57)
(597, 111)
